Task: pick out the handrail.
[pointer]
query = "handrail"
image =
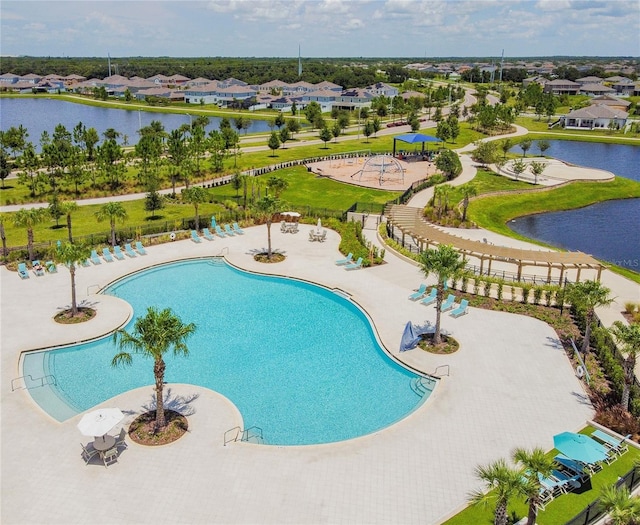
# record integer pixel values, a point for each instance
(238, 431)
(441, 366)
(246, 433)
(41, 379)
(225, 249)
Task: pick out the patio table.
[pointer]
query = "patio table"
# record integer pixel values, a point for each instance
(104, 443)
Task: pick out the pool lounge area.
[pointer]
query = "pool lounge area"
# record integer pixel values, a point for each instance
(509, 385)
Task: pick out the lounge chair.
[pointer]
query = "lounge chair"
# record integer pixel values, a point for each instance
(107, 255)
(294, 228)
(553, 486)
(110, 456)
(88, 452)
(51, 267)
(617, 446)
(140, 248)
(22, 271)
(195, 237)
(129, 250)
(237, 229)
(94, 257)
(86, 263)
(120, 442)
(38, 269)
(574, 467)
(322, 237)
(461, 309)
(207, 234)
(346, 260)
(421, 291)
(568, 480)
(228, 230)
(431, 298)
(312, 235)
(354, 266)
(219, 231)
(448, 303)
(118, 253)
(283, 227)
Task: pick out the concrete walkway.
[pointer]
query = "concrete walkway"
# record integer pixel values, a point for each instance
(509, 385)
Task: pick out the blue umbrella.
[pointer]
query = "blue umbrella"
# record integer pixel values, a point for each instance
(579, 447)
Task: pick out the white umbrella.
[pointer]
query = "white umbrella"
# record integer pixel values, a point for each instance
(291, 213)
(99, 422)
(319, 225)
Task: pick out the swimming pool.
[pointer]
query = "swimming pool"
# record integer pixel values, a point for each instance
(299, 361)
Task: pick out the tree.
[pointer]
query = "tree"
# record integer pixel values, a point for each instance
(264, 210)
(325, 136)
(178, 152)
(449, 163)
(628, 336)
(505, 146)
(537, 168)
(196, 196)
(31, 176)
(445, 263)
(486, 152)
(503, 483)
(518, 167)
(376, 124)
(367, 129)
(110, 155)
(525, 146)
(284, 135)
(54, 208)
(24, 218)
(5, 169)
(536, 464)
(293, 126)
(72, 255)
(3, 237)
(585, 297)
(414, 122)
(442, 194)
(279, 120)
(153, 201)
(336, 130)
(454, 127)
(623, 509)
(154, 335)
(67, 208)
(468, 190)
(543, 145)
(312, 112)
(277, 185)
(274, 143)
(443, 131)
(113, 212)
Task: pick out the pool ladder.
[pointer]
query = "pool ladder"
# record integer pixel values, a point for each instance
(250, 435)
(423, 385)
(44, 380)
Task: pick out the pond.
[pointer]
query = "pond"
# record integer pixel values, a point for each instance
(608, 230)
(40, 114)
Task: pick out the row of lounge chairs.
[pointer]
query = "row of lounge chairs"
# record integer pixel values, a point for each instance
(448, 304)
(348, 264)
(229, 231)
(37, 268)
(117, 253)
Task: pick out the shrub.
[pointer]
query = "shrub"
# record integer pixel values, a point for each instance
(476, 286)
(630, 308)
(486, 291)
(500, 287)
(513, 293)
(548, 295)
(465, 283)
(537, 294)
(526, 288)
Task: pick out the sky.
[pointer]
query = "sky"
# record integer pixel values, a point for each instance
(322, 28)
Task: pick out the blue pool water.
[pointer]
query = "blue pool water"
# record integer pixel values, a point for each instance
(297, 360)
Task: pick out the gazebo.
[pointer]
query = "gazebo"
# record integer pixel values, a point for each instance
(413, 138)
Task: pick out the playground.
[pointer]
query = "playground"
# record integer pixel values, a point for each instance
(376, 171)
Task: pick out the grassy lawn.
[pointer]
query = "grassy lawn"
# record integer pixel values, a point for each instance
(564, 507)
(540, 129)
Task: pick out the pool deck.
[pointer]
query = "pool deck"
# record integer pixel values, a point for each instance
(509, 385)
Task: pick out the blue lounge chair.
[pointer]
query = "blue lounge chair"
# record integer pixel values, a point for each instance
(574, 467)
(107, 255)
(213, 222)
(118, 253)
(207, 234)
(85, 263)
(347, 260)
(429, 299)
(140, 248)
(237, 229)
(129, 250)
(22, 271)
(195, 237)
(461, 309)
(567, 479)
(618, 446)
(51, 267)
(219, 231)
(448, 303)
(354, 266)
(37, 268)
(94, 257)
(419, 293)
(228, 230)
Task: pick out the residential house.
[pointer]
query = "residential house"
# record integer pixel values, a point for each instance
(589, 80)
(594, 117)
(178, 80)
(31, 78)
(595, 90)
(273, 86)
(198, 82)
(202, 94)
(9, 78)
(160, 80)
(354, 98)
(561, 86)
(325, 84)
(381, 89)
(612, 102)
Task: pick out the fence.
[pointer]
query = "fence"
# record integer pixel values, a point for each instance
(593, 512)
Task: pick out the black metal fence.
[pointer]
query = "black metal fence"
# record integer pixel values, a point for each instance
(593, 512)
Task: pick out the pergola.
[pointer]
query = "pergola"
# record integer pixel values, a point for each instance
(413, 138)
(409, 221)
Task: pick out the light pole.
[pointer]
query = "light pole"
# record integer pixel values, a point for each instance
(359, 108)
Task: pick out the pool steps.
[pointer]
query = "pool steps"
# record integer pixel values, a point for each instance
(422, 385)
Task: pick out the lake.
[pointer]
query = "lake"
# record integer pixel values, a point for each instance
(40, 114)
(607, 230)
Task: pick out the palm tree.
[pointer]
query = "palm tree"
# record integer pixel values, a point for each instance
(68, 207)
(468, 191)
(153, 336)
(503, 482)
(586, 296)
(623, 509)
(445, 263)
(112, 211)
(71, 255)
(264, 210)
(629, 337)
(536, 463)
(196, 196)
(28, 219)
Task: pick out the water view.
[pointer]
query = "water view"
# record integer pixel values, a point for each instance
(607, 230)
(40, 114)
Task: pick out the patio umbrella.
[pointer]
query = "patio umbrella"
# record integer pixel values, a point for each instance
(99, 422)
(291, 213)
(579, 447)
(319, 225)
